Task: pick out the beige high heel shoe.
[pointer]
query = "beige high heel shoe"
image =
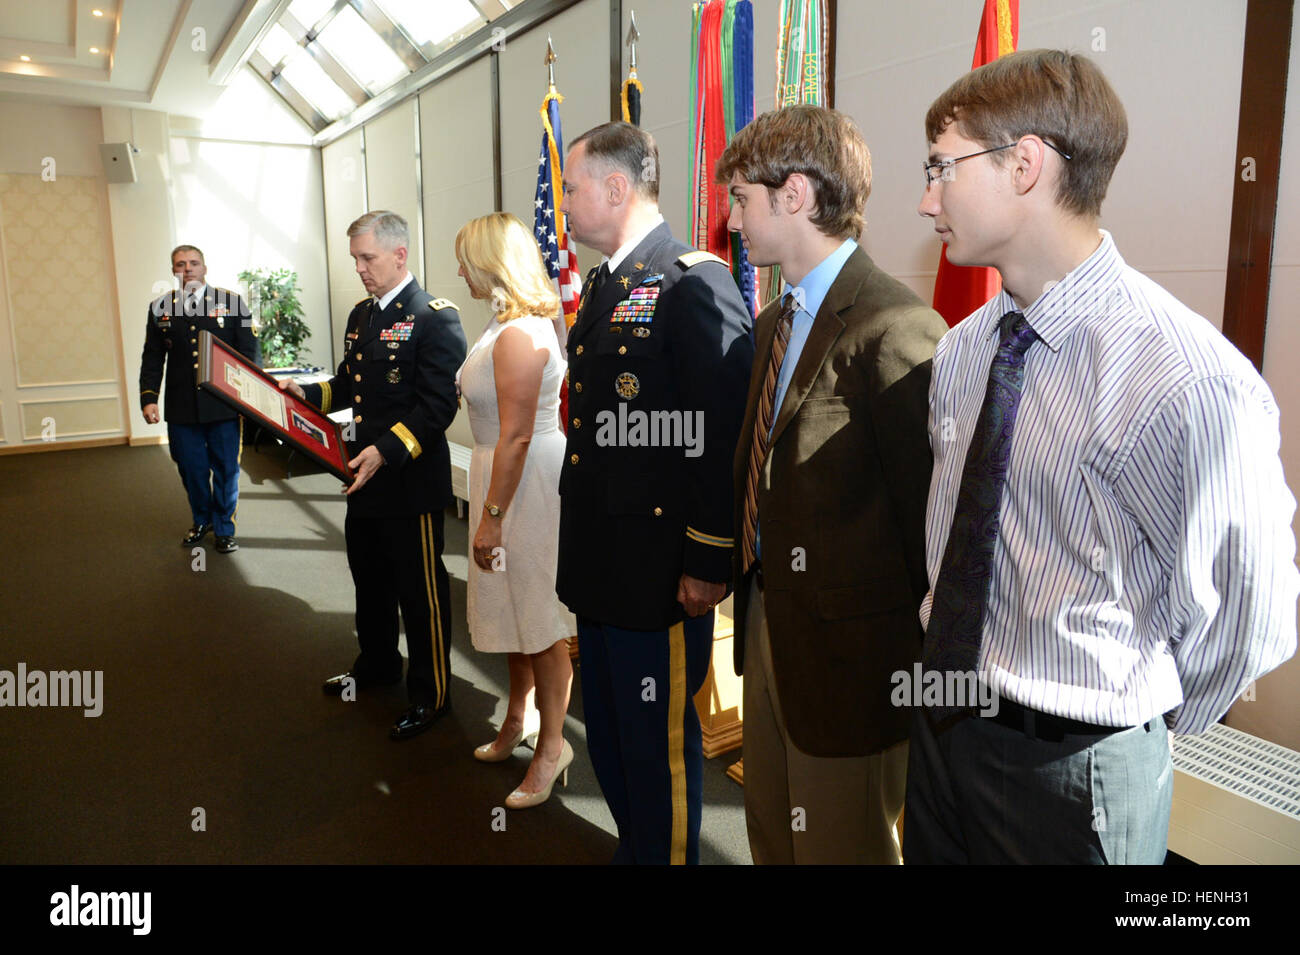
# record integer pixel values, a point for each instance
(488, 752)
(523, 800)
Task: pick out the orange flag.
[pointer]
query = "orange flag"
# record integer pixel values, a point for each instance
(958, 290)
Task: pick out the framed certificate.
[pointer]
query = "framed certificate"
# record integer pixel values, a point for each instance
(235, 380)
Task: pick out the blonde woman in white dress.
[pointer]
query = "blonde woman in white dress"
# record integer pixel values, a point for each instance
(511, 385)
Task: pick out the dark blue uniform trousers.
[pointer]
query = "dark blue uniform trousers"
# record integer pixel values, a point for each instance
(644, 735)
(207, 455)
(396, 562)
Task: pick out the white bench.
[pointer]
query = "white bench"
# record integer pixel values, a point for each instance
(460, 457)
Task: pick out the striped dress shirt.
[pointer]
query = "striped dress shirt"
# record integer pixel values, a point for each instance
(1145, 561)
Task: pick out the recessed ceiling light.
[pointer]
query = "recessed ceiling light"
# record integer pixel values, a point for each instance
(25, 58)
(94, 49)
(98, 13)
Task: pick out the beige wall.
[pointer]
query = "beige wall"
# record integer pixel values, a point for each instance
(458, 186)
(345, 200)
(143, 224)
(60, 361)
(392, 161)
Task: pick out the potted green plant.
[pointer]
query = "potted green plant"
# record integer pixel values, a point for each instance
(277, 315)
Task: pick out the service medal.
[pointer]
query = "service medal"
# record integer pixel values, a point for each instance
(627, 385)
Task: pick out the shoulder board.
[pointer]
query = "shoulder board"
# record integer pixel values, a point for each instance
(438, 304)
(688, 260)
(362, 302)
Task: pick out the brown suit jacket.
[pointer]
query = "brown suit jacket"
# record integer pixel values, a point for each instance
(841, 505)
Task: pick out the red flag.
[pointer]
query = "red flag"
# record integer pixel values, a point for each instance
(959, 290)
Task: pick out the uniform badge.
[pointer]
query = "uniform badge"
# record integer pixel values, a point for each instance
(640, 331)
(394, 345)
(400, 332)
(352, 335)
(627, 385)
(221, 322)
(394, 376)
(640, 305)
(624, 281)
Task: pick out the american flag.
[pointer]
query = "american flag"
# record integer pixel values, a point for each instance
(549, 227)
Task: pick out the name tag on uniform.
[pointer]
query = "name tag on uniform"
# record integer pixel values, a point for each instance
(400, 332)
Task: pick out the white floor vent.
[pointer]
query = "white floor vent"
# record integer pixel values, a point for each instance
(1236, 799)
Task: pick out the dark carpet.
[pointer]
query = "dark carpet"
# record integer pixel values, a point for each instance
(212, 708)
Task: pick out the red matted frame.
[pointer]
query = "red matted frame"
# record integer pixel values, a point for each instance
(230, 376)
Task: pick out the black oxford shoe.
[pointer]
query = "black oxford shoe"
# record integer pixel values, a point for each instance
(196, 534)
(416, 720)
(227, 545)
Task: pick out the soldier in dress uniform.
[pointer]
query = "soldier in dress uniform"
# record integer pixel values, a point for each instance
(400, 356)
(659, 363)
(204, 434)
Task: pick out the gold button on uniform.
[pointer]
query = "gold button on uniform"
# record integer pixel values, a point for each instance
(659, 512)
(356, 417)
(622, 349)
(577, 386)
(357, 356)
(356, 397)
(577, 422)
(579, 350)
(357, 377)
(392, 358)
(573, 459)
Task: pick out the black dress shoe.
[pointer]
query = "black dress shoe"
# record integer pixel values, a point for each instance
(226, 545)
(334, 685)
(196, 534)
(416, 720)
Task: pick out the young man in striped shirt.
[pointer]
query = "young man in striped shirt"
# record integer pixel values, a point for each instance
(1108, 533)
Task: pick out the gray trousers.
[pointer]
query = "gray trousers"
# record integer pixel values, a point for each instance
(983, 793)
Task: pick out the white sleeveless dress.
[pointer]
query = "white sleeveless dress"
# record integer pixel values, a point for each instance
(515, 610)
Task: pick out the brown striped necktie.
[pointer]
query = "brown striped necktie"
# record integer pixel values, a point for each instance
(762, 433)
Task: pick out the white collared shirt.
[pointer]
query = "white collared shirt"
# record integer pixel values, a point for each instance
(1144, 560)
(392, 293)
(624, 250)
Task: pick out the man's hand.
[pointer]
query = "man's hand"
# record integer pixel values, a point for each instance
(291, 386)
(698, 596)
(365, 464)
(151, 413)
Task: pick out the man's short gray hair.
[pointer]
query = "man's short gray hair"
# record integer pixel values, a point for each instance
(388, 228)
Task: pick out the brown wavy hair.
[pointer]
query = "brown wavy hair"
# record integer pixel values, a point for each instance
(822, 144)
(1061, 97)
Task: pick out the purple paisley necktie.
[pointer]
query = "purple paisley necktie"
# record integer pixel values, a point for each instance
(952, 640)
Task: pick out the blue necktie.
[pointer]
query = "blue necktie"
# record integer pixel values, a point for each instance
(952, 640)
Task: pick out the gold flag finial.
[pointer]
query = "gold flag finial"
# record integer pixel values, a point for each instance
(550, 62)
(633, 34)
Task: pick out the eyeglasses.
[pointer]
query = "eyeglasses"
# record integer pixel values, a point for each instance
(943, 169)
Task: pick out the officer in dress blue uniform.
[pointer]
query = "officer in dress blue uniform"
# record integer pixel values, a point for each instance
(400, 356)
(659, 363)
(204, 434)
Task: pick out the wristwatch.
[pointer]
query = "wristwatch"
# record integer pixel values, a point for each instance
(492, 509)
